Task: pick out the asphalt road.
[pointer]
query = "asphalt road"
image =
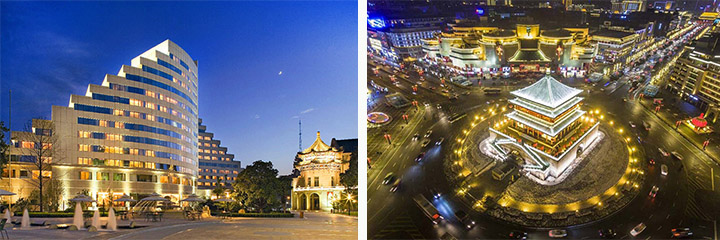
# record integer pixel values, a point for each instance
(395, 215)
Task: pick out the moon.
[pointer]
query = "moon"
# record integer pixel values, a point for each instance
(280, 73)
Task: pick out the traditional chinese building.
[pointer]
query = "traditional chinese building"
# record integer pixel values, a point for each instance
(318, 184)
(547, 127)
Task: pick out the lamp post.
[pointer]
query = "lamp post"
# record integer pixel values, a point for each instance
(388, 137)
(405, 117)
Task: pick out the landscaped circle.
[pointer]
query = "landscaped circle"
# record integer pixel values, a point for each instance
(378, 118)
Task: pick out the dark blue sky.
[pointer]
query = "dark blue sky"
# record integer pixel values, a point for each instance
(50, 50)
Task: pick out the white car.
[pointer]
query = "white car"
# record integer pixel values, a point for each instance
(439, 141)
(557, 233)
(664, 153)
(664, 170)
(638, 229)
(632, 124)
(677, 155)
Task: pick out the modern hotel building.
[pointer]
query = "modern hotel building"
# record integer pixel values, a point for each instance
(214, 163)
(135, 133)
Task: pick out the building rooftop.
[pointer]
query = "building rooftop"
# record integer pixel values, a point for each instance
(556, 33)
(612, 33)
(318, 146)
(548, 92)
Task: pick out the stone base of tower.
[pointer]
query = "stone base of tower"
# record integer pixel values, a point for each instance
(315, 199)
(499, 146)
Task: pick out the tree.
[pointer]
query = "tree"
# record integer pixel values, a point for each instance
(38, 143)
(219, 188)
(349, 179)
(4, 147)
(258, 186)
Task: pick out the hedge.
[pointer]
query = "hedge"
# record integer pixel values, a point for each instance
(266, 215)
(56, 214)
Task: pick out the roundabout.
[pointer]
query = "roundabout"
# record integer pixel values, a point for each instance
(377, 119)
(600, 176)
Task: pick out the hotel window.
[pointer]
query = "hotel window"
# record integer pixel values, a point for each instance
(118, 177)
(85, 175)
(150, 117)
(332, 181)
(150, 93)
(309, 182)
(163, 179)
(214, 145)
(118, 112)
(175, 180)
(83, 134)
(83, 147)
(84, 161)
(103, 176)
(317, 181)
(28, 144)
(103, 123)
(135, 102)
(150, 105)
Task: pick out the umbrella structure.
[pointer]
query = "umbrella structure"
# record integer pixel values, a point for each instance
(193, 198)
(148, 203)
(6, 193)
(125, 198)
(154, 198)
(81, 198)
(225, 200)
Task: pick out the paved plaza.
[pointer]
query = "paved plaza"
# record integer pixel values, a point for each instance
(314, 225)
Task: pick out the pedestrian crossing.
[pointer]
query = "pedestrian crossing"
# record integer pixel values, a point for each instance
(693, 209)
(402, 227)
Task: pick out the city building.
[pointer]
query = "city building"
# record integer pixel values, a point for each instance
(547, 128)
(526, 48)
(318, 184)
(135, 133)
(613, 47)
(400, 38)
(626, 6)
(696, 74)
(215, 164)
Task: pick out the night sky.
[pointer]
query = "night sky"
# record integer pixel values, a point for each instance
(50, 50)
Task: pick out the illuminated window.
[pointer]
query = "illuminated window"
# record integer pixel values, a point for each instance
(84, 161)
(317, 181)
(162, 108)
(83, 147)
(332, 181)
(150, 105)
(214, 158)
(119, 177)
(150, 117)
(118, 112)
(103, 176)
(221, 152)
(28, 144)
(163, 179)
(135, 102)
(135, 114)
(150, 93)
(150, 153)
(85, 175)
(119, 125)
(103, 123)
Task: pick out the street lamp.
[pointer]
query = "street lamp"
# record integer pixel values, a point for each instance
(388, 137)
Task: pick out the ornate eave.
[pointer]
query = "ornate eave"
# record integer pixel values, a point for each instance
(547, 92)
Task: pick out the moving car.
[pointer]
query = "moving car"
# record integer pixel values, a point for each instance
(654, 190)
(557, 233)
(681, 232)
(416, 137)
(632, 124)
(420, 157)
(435, 193)
(664, 170)
(428, 209)
(427, 134)
(607, 233)
(438, 106)
(638, 229)
(664, 153)
(465, 219)
(439, 141)
(677, 155)
(651, 161)
(425, 142)
(518, 235)
(395, 185)
(389, 178)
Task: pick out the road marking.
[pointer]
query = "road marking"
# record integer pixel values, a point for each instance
(668, 216)
(715, 226)
(651, 215)
(659, 228)
(712, 179)
(647, 238)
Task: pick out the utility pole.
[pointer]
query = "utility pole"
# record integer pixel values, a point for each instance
(299, 135)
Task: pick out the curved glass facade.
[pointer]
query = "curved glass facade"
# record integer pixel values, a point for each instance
(136, 133)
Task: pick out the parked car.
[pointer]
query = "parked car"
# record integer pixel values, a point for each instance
(681, 232)
(664, 170)
(557, 233)
(638, 229)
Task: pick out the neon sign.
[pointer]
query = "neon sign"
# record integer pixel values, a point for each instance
(376, 23)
